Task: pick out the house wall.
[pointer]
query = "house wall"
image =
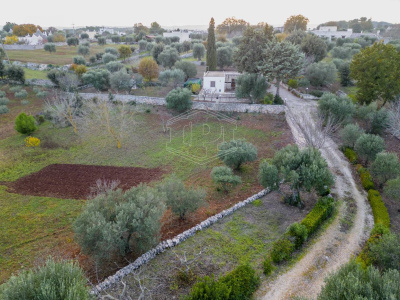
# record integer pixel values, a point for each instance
(219, 84)
(183, 36)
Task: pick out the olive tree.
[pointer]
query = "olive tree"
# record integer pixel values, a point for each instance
(179, 99)
(198, 51)
(175, 76)
(117, 223)
(368, 146)
(303, 169)
(224, 57)
(50, 47)
(101, 41)
(83, 50)
(237, 152)
(385, 167)
(180, 199)
(187, 67)
(121, 81)
(224, 177)
(321, 74)
(350, 134)
(339, 109)
(392, 189)
(251, 86)
(168, 57)
(99, 78)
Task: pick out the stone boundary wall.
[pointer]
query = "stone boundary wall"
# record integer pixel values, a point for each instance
(234, 107)
(149, 255)
(29, 47)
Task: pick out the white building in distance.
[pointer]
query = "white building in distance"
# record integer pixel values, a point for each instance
(183, 35)
(38, 38)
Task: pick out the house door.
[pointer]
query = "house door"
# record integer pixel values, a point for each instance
(233, 84)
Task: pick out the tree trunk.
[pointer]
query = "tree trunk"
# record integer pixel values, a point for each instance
(278, 85)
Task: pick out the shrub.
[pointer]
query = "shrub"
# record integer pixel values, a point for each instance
(242, 282)
(292, 83)
(278, 100)
(31, 141)
(115, 222)
(53, 281)
(392, 188)
(4, 101)
(237, 152)
(368, 146)
(322, 210)
(351, 155)
(385, 253)
(267, 266)
(3, 109)
(79, 60)
(41, 94)
(2, 94)
(379, 209)
(299, 232)
(114, 66)
(350, 134)
(15, 73)
(224, 177)
(281, 250)
(107, 57)
(80, 70)
(179, 99)
(316, 93)
(92, 59)
(124, 51)
(366, 179)
(352, 281)
(99, 55)
(180, 199)
(338, 109)
(375, 121)
(25, 124)
(209, 288)
(148, 68)
(385, 167)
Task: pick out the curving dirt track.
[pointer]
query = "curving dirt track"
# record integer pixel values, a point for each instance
(336, 246)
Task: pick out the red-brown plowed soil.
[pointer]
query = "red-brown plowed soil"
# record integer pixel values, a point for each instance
(76, 181)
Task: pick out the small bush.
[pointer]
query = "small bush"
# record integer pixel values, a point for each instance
(2, 94)
(3, 109)
(54, 281)
(385, 167)
(242, 282)
(299, 232)
(108, 57)
(41, 94)
(15, 89)
(281, 250)
(322, 210)
(31, 141)
(381, 215)
(79, 60)
(392, 188)
(351, 155)
(114, 66)
(267, 266)
(111, 50)
(366, 179)
(25, 102)
(316, 93)
(4, 101)
(224, 177)
(292, 83)
(25, 124)
(209, 288)
(278, 100)
(21, 94)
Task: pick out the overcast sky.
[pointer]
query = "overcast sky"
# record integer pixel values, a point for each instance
(178, 12)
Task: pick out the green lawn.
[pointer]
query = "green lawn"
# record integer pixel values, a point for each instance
(62, 56)
(35, 74)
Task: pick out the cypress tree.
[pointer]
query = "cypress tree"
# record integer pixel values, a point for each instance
(211, 48)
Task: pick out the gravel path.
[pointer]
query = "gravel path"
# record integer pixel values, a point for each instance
(336, 246)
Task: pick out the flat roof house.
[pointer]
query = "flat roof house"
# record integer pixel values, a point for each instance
(220, 81)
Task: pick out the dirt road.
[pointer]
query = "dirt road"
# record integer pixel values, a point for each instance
(337, 245)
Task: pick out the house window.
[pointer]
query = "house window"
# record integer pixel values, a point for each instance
(212, 84)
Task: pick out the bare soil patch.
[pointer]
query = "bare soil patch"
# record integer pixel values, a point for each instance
(74, 181)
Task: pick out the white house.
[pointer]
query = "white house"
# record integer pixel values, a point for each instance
(332, 32)
(183, 35)
(220, 81)
(38, 38)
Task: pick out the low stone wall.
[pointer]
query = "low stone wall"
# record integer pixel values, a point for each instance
(235, 107)
(29, 47)
(149, 255)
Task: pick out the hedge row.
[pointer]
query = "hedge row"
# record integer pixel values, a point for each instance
(381, 215)
(351, 155)
(321, 211)
(283, 248)
(366, 178)
(239, 284)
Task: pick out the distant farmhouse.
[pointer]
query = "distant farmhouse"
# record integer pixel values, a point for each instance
(332, 32)
(220, 81)
(184, 35)
(38, 38)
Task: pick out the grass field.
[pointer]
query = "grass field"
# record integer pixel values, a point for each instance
(48, 220)
(62, 56)
(35, 74)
